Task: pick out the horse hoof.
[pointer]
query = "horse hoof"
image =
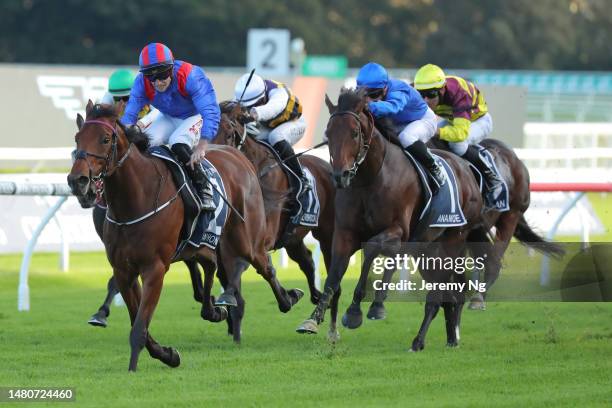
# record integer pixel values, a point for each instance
(175, 358)
(98, 320)
(295, 295)
(309, 326)
(333, 336)
(377, 312)
(226, 299)
(417, 345)
(222, 312)
(452, 344)
(477, 305)
(352, 319)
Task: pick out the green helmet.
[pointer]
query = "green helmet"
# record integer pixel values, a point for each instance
(120, 82)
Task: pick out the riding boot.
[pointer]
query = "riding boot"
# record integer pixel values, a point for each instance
(198, 179)
(422, 154)
(285, 151)
(492, 181)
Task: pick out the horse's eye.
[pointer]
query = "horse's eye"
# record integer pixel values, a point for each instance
(355, 133)
(106, 140)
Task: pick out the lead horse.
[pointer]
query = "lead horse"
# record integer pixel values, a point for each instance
(378, 202)
(275, 186)
(148, 211)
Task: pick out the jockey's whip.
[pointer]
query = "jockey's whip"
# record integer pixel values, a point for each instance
(246, 85)
(270, 167)
(222, 196)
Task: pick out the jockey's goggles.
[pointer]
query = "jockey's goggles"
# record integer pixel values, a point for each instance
(430, 93)
(121, 98)
(374, 92)
(158, 75)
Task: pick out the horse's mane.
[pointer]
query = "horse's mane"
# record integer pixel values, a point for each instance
(227, 106)
(133, 133)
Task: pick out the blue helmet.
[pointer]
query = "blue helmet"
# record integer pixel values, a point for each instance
(373, 76)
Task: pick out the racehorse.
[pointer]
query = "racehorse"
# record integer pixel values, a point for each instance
(275, 186)
(144, 235)
(378, 202)
(99, 318)
(508, 224)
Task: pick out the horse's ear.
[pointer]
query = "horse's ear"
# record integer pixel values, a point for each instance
(330, 106)
(79, 121)
(89, 107)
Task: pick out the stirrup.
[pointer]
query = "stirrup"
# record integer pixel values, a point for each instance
(207, 203)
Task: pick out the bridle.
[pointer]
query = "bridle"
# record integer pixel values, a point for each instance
(364, 144)
(109, 159)
(236, 135)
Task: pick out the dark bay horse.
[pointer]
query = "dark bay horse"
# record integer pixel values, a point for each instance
(276, 186)
(378, 203)
(148, 212)
(508, 224)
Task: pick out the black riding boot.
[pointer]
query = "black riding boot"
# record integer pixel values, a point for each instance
(421, 153)
(200, 183)
(492, 181)
(285, 151)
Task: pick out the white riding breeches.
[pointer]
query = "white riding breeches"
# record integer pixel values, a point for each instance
(164, 129)
(480, 129)
(422, 129)
(291, 132)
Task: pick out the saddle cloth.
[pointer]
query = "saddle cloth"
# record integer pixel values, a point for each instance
(502, 202)
(199, 227)
(309, 207)
(444, 208)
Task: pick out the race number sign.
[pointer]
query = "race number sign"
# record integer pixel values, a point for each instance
(268, 51)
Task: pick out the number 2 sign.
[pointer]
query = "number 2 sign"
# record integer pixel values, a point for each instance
(268, 51)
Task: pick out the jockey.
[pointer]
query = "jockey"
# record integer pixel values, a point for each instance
(467, 119)
(279, 113)
(413, 120)
(189, 114)
(119, 86)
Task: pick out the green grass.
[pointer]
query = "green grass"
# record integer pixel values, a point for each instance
(514, 354)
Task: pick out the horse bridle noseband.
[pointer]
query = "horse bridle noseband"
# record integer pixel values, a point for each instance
(110, 157)
(364, 144)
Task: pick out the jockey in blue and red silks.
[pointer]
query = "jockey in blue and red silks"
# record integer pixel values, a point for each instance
(188, 111)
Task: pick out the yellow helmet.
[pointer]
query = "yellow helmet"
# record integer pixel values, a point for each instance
(429, 76)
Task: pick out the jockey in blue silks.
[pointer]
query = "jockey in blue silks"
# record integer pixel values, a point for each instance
(414, 121)
(188, 111)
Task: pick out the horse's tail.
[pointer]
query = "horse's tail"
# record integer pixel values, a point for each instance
(530, 238)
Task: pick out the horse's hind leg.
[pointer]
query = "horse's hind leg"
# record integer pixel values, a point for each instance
(303, 256)
(432, 305)
(99, 318)
(231, 268)
(209, 311)
(285, 298)
(196, 280)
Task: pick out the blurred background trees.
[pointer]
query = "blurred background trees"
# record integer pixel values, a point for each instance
(493, 34)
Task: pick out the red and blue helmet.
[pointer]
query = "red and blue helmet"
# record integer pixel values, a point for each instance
(155, 57)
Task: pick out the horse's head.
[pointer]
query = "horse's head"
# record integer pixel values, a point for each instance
(97, 144)
(349, 133)
(232, 130)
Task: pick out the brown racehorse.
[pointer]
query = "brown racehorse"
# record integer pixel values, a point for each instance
(140, 187)
(275, 185)
(507, 224)
(378, 203)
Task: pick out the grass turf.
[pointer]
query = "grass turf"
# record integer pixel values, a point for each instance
(527, 354)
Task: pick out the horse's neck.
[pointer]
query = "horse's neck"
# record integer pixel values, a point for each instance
(257, 153)
(370, 169)
(132, 188)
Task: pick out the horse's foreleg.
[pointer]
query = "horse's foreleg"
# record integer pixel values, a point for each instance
(384, 242)
(343, 246)
(303, 256)
(209, 311)
(285, 298)
(99, 318)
